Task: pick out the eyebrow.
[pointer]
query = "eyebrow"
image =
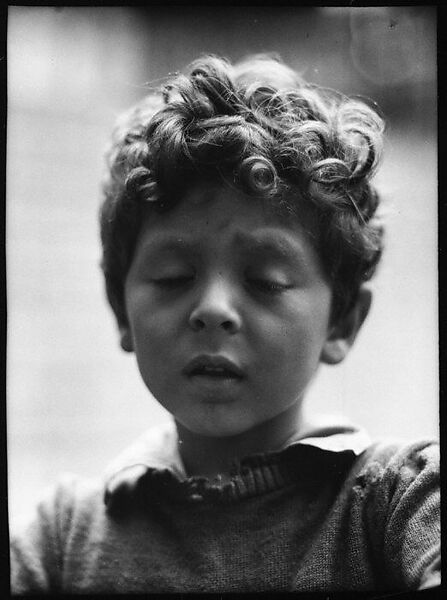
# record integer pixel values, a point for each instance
(280, 246)
(164, 243)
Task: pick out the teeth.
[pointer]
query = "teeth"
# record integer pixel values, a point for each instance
(210, 370)
(216, 371)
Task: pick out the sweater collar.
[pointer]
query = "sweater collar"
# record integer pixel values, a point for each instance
(156, 453)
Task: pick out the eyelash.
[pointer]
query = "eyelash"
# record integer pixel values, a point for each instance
(172, 282)
(271, 287)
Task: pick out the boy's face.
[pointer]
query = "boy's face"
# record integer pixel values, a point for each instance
(228, 311)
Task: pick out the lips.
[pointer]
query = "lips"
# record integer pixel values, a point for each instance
(215, 367)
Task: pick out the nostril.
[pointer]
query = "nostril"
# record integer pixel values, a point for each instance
(197, 324)
(214, 317)
(227, 325)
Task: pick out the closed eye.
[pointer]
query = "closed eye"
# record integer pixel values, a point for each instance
(173, 282)
(269, 286)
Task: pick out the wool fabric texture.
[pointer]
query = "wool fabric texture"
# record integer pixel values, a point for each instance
(327, 513)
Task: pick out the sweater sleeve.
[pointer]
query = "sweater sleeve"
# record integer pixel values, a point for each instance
(36, 548)
(412, 523)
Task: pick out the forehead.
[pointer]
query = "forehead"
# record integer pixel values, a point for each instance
(218, 214)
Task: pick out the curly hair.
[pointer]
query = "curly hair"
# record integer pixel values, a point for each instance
(260, 126)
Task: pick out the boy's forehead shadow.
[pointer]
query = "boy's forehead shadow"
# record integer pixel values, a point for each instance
(291, 212)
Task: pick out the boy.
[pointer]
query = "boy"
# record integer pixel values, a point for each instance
(239, 228)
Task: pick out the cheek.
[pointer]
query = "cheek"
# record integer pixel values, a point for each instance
(151, 335)
(150, 328)
(148, 317)
(294, 338)
(153, 345)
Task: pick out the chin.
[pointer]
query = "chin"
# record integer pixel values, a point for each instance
(216, 428)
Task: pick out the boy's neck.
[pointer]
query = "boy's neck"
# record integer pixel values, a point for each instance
(214, 456)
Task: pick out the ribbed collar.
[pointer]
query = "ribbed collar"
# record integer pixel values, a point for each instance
(153, 463)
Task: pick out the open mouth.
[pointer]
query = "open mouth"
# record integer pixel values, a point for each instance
(216, 368)
(214, 372)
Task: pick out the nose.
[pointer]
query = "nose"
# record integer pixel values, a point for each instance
(215, 310)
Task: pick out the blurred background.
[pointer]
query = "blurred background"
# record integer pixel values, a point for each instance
(74, 399)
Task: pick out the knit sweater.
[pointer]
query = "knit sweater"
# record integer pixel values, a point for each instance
(327, 513)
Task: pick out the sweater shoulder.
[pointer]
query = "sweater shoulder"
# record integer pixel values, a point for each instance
(393, 468)
(399, 457)
(38, 542)
(68, 503)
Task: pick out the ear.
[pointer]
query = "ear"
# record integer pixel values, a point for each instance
(126, 341)
(343, 333)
